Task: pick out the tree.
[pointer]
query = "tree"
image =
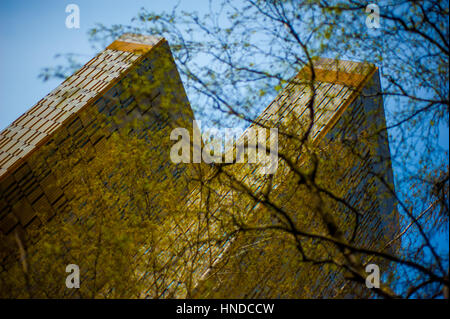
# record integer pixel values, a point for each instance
(237, 58)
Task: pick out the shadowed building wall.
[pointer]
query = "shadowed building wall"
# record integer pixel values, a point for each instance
(134, 78)
(349, 112)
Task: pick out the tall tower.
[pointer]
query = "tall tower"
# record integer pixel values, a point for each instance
(336, 106)
(339, 110)
(134, 78)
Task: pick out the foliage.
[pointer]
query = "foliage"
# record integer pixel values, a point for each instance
(233, 61)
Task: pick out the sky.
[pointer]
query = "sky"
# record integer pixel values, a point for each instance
(33, 32)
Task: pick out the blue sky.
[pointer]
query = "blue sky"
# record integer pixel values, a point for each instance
(33, 32)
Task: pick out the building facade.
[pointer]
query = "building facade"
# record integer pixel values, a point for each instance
(202, 255)
(348, 129)
(133, 79)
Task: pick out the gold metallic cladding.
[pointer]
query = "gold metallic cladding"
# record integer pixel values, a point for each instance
(335, 118)
(331, 76)
(4, 173)
(135, 48)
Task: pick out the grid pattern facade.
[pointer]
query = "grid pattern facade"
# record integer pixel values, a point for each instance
(345, 106)
(70, 115)
(74, 115)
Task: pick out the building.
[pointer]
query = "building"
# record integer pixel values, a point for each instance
(197, 255)
(348, 122)
(80, 115)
